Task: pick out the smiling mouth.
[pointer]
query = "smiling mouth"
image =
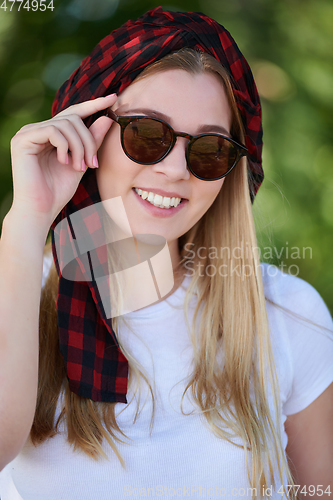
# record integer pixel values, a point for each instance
(157, 200)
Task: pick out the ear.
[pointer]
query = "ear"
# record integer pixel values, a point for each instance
(100, 128)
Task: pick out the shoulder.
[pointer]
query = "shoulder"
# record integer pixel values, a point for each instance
(294, 295)
(302, 337)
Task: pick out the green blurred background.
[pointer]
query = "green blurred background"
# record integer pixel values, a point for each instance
(289, 46)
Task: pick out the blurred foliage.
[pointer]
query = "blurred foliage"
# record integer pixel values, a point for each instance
(289, 46)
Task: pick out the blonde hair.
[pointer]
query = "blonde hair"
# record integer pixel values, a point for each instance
(233, 323)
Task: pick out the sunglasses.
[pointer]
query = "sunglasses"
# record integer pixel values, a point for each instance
(147, 141)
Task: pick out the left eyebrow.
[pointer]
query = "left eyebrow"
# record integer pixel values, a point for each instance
(157, 114)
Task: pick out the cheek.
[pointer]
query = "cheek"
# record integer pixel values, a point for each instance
(108, 159)
(208, 192)
(116, 173)
(110, 147)
(204, 198)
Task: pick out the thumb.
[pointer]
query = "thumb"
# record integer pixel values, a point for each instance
(99, 129)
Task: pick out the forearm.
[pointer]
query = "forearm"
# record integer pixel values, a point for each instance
(21, 260)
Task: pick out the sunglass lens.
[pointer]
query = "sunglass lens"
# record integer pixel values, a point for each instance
(146, 140)
(212, 156)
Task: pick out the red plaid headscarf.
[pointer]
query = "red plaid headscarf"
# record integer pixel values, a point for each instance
(95, 366)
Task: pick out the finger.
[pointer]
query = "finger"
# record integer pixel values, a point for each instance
(87, 139)
(99, 129)
(75, 143)
(45, 133)
(87, 108)
(33, 144)
(83, 110)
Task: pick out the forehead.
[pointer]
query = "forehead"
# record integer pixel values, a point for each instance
(184, 97)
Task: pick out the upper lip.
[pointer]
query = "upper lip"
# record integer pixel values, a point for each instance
(169, 194)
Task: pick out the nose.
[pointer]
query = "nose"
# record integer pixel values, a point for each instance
(174, 165)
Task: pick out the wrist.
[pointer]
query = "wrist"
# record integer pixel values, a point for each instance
(30, 227)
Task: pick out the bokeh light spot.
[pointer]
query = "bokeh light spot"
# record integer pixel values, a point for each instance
(24, 96)
(272, 81)
(86, 10)
(60, 68)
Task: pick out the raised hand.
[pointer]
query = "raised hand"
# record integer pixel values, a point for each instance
(45, 174)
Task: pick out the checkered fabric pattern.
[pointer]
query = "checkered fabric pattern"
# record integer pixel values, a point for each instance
(96, 368)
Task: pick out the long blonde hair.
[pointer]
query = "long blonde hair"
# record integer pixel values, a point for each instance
(233, 322)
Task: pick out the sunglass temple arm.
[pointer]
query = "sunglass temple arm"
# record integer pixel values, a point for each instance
(111, 114)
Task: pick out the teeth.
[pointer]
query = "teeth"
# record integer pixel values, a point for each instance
(150, 197)
(158, 200)
(166, 202)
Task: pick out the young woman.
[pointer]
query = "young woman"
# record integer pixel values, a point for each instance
(206, 391)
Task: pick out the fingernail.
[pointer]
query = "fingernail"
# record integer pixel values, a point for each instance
(83, 166)
(67, 159)
(110, 95)
(95, 161)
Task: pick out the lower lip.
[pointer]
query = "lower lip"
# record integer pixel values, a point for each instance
(159, 212)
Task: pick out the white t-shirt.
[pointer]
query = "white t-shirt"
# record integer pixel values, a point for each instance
(181, 457)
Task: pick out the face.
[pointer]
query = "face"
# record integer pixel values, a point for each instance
(189, 103)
